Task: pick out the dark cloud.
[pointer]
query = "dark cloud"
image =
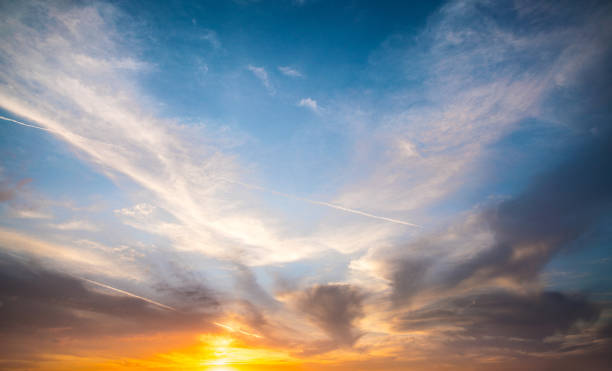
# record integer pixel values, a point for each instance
(40, 307)
(469, 299)
(183, 287)
(539, 330)
(528, 230)
(503, 314)
(334, 308)
(558, 208)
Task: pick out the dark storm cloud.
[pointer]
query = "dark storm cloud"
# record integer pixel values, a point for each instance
(334, 308)
(42, 306)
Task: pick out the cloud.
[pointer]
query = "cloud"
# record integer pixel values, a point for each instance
(289, 71)
(246, 283)
(100, 112)
(9, 190)
(262, 75)
(334, 308)
(139, 210)
(31, 214)
(475, 283)
(475, 82)
(7, 194)
(519, 235)
(186, 171)
(77, 259)
(212, 37)
(309, 103)
(509, 315)
(480, 78)
(76, 225)
(35, 321)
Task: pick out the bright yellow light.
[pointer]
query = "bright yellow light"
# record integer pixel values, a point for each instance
(221, 368)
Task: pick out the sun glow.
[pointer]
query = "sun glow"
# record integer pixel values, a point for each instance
(224, 351)
(221, 368)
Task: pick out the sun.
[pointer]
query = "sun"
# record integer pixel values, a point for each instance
(220, 368)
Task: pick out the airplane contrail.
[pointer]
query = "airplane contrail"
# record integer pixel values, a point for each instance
(24, 124)
(128, 294)
(231, 329)
(323, 203)
(286, 195)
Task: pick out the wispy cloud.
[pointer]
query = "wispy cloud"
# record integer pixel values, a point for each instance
(75, 225)
(102, 114)
(31, 214)
(290, 71)
(211, 37)
(310, 104)
(262, 75)
(76, 259)
(140, 210)
(474, 92)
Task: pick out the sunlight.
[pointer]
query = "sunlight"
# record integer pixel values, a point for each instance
(220, 368)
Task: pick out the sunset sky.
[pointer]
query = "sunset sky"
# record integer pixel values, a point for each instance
(305, 185)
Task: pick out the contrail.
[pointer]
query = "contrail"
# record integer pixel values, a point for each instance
(323, 203)
(286, 195)
(24, 124)
(129, 294)
(231, 329)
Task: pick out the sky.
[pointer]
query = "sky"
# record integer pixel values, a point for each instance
(305, 185)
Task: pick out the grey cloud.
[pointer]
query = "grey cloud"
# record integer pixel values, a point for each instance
(39, 307)
(559, 206)
(555, 210)
(246, 283)
(539, 330)
(6, 194)
(504, 314)
(9, 191)
(334, 308)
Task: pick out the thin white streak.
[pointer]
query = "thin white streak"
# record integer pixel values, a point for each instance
(231, 329)
(323, 203)
(129, 294)
(315, 202)
(28, 125)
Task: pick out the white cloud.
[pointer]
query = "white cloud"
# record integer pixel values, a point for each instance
(480, 80)
(139, 210)
(76, 258)
(309, 103)
(76, 225)
(262, 75)
(98, 109)
(30, 214)
(289, 71)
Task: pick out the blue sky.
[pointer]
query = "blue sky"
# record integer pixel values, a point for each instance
(397, 158)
